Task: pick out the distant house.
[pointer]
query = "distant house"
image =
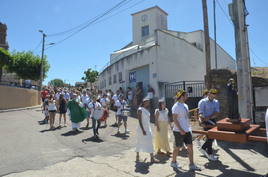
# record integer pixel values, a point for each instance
(157, 55)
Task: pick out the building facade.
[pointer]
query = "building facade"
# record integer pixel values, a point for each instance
(157, 55)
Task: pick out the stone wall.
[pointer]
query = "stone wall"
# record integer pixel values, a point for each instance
(13, 97)
(218, 80)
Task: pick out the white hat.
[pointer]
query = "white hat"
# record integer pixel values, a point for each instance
(146, 99)
(162, 100)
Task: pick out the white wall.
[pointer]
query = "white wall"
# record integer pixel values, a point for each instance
(225, 61)
(156, 19)
(139, 59)
(261, 95)
(178, 60)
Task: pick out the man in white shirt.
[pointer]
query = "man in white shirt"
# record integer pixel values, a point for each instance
(57, 95)
(121, 104)
(114, 99)
(182, 130)
(104, 101)
(66, 95)
(96, 111)
(86, 100)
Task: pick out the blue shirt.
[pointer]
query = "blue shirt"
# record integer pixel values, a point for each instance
(208, 107)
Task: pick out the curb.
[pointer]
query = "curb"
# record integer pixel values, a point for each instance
(20, 109)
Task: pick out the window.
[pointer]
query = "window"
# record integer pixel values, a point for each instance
(122, 64)
(117, 66)
(114, 78)
(145, 31)
(110, 80)
(120, 76)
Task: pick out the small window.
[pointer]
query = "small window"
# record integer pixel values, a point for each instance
(110, 80)
(145, 31)
(120, 77)
(122, 64)
(117, 66)
(114, 78)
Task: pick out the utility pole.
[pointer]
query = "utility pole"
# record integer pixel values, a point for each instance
(207, 42)
(215, 34)
(238, 13)
(42, 59)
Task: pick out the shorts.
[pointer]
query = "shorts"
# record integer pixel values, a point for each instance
(121, 117)
(180, 139)
(52, 111)
(63, 111)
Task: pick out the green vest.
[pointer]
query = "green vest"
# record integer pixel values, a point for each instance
(78, 114)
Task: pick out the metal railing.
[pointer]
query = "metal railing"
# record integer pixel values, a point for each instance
(194, 88)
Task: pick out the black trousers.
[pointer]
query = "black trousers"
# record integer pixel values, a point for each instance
(94, 127)
(207, 146)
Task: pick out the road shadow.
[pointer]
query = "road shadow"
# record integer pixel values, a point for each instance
(215, 165)
(227, 171)
(42, 122)
(123, 136)
(86, 128)
(92, 139)
(142, 167)
(114, 125)
(183, 152)
(163, 158)
(71, 133)
(253, 147)
(49, 130)
(103, 126)
(184, 173)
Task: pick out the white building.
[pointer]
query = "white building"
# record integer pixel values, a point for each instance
(158, 55)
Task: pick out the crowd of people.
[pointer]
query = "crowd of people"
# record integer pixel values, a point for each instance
(91, 104)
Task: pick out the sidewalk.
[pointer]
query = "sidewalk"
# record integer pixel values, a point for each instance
(20, 109)
(235, 160)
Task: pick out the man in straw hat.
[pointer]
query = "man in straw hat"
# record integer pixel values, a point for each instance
(209, 110)
(182, 130)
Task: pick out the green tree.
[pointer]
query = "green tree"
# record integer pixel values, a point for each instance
(57, 83)
(27, 65)
(5, 60)
(90, 76)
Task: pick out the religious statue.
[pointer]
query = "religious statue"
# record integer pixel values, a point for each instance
(232, 101)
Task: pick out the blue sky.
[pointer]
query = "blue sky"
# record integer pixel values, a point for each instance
(92, 46)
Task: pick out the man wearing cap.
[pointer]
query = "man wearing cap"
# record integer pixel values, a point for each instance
(209, 110)
(197, 140)
(182, 130)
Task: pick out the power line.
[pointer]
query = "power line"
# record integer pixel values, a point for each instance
(252, 51)
(226, 15)
(37, 46)
(98, 19)
(119, 12)
(90, 20)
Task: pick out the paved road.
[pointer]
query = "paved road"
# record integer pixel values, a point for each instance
(28, 149)
(25, 144)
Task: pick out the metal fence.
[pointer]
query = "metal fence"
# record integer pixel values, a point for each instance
(194, 88)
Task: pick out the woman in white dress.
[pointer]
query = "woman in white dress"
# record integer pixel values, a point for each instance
(144, 131)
